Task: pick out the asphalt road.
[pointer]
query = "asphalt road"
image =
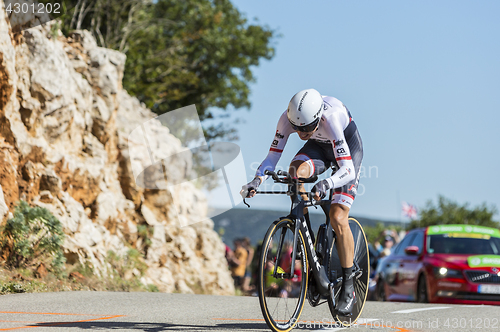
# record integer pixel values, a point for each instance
(79, 311)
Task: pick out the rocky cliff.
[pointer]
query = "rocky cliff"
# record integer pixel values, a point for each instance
(64, 123)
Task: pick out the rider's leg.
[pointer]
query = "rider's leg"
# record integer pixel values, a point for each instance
(302, 169)
(339, 218)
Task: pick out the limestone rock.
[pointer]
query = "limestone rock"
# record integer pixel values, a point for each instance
(65, 122)
(3, 207)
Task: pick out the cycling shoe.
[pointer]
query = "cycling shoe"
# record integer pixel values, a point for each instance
(347, 300)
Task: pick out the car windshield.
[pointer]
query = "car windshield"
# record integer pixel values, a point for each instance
(473, 244)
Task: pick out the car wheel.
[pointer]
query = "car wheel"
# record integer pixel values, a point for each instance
(422, 290)
(380, 290)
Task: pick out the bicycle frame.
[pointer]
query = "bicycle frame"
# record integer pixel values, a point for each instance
(323, 283)
(319, 270)
(321, 260)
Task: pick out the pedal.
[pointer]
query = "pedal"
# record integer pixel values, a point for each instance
(358, 273)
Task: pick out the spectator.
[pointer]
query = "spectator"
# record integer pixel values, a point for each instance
(387, 247)
(391, 238)
(231, 260)
(295, 282)
(291, 288)
(272, 286)
(286, 257)
(248, 275)
(238, 270)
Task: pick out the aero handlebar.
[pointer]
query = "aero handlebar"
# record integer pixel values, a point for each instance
(288, 178)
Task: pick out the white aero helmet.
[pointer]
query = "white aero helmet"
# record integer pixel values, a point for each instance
(305, 109)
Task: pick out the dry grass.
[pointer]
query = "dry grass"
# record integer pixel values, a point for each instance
(76, 277)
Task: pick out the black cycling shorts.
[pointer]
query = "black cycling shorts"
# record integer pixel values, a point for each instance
(320, 157)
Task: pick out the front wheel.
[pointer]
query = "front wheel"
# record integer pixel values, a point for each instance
(361, 258)
(422, 290)
(282, 294)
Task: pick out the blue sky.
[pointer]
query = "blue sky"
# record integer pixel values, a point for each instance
(421, 79)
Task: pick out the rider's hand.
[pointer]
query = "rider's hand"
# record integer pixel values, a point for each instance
(319, 190)
(250, 189)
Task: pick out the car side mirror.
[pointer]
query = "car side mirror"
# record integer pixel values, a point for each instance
(412, 250)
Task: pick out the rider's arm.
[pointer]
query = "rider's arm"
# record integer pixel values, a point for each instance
(283, 131)
(346, 171)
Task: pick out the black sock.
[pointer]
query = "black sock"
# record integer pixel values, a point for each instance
(308, 221)
(347, 276)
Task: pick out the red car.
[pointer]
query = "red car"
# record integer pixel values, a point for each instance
(443, 263)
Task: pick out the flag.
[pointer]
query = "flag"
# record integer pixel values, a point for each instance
(409, 210)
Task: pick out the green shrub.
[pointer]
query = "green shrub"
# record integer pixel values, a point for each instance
(121, 276)
(11, 287)
(145, 232)
(152, 288)
(31, 237)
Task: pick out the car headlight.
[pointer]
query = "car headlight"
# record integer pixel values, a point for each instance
(443, 272)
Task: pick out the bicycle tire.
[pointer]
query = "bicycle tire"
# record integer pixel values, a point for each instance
(281, 311)
(360, 284)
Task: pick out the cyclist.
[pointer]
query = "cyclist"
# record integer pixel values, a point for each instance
(332, 139)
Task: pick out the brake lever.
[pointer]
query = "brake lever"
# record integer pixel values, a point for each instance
(315, 202)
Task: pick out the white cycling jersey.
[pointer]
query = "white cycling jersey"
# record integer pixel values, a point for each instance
(334, 121)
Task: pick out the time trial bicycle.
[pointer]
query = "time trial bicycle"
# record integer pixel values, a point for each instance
(289, 257)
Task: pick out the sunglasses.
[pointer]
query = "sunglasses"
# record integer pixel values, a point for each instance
(307, 128)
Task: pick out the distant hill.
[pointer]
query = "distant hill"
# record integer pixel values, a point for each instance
(254, 223)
